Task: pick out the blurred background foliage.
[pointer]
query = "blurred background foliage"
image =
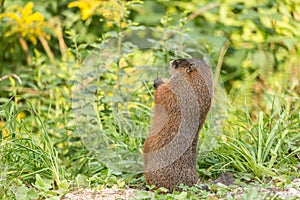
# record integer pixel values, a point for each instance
(259, 37)
(255, 45)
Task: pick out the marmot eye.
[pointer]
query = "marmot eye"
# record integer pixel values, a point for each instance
(177, 62)
(192, 65)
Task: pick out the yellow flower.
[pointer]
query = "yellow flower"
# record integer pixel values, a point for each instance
(87, 8)
(152, 104)
(21, 115)
(131, 105)
(23, 22)
(111, 10)
(5, 132)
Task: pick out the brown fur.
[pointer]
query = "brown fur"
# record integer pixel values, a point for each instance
(170, 156)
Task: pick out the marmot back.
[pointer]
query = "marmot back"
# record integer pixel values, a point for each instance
(181, 106)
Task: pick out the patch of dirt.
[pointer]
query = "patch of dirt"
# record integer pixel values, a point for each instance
(104, 194)
(282, 193)
(237, 193)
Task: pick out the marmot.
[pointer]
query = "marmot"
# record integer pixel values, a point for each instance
(181, 106)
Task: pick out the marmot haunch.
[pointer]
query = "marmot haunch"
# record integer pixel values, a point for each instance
(181, 106)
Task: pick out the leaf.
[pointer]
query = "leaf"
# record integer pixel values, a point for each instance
(25, 193)
(32, 194)
(263, 60)
(237, 57)
(181, 196)
(21, 192)
(142, 194)
(63, 185)
(82, 180)
(287, 41)
(42, 184)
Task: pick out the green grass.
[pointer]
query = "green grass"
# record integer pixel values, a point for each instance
(258, 145)
(45, 151)
(26, 149)
(264, 145)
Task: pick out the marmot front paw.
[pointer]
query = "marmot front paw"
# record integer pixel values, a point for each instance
(158, 82)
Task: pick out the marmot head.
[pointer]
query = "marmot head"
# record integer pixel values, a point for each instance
(194, 71)
(186, 66)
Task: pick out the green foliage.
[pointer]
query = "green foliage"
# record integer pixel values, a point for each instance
(254, 44)
(26, 193)
(26, 150)
(263, 146)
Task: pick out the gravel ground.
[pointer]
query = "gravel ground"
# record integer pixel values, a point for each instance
(126, 194)
(105, 194)
(283, 193)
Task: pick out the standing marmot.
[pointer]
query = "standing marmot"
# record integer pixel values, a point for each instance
(181, 106)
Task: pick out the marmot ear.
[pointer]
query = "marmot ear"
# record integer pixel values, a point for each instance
(191, 67)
